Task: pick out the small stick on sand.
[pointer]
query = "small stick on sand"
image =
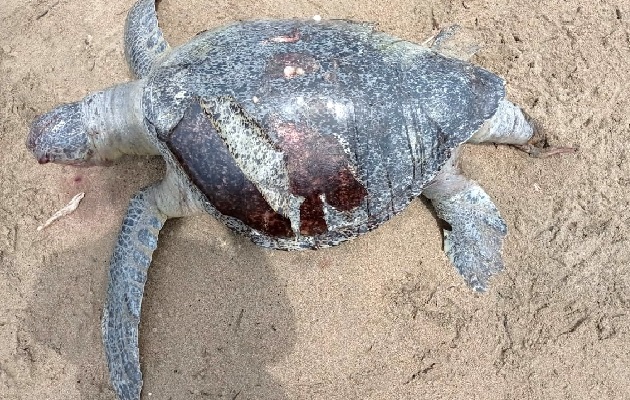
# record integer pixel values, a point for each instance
(70, 207)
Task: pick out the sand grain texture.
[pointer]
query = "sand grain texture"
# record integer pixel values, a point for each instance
(382, 317)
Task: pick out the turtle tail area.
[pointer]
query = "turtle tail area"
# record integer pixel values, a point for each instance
(127, 277)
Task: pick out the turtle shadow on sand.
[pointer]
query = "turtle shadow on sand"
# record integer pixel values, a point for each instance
(212, 322)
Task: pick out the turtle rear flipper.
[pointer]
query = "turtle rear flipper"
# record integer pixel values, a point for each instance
(144, 41)
(475, 238)
(127, 277)
(453, 42)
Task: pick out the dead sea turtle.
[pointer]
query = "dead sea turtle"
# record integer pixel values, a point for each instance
(297, 133)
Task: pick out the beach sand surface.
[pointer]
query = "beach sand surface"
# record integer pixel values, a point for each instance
(382, 317)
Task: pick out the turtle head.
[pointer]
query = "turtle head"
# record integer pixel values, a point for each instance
(94, 131)
(61, 136)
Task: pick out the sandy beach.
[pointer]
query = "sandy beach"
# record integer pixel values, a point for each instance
(381, 317)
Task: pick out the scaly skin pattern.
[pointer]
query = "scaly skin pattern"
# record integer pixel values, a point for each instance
(361, 121)
(474, 241)
(127, 277)
(144, 41)
(46, 129)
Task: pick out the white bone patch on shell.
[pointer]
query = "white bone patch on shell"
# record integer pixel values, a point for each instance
(256, 155)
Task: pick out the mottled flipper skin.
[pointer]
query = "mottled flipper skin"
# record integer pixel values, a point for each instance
(144, 41)
(475, 238)
(127, 277)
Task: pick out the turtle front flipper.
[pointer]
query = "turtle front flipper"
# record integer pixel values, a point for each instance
(475, 238)
(127, 277)
(144, 41)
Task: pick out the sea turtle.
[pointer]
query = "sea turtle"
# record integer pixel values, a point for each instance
(297, 133)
